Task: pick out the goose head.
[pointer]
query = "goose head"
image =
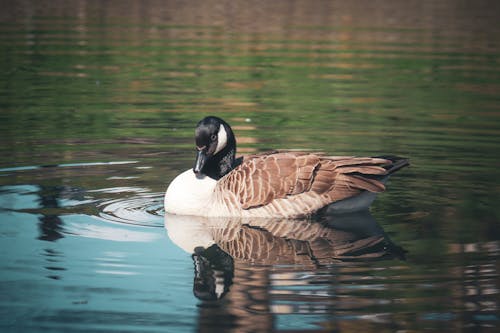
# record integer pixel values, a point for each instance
(216, 148)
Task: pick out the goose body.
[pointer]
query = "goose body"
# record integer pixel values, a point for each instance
(273, 184)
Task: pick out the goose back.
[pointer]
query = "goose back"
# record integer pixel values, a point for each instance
(295, 184)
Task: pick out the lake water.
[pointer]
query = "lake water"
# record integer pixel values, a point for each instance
(98, 103)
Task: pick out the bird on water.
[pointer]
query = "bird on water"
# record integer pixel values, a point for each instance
(276, 184)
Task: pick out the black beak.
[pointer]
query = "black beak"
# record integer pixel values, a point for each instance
(201, 159)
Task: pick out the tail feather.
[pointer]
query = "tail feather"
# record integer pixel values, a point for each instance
(397, 163)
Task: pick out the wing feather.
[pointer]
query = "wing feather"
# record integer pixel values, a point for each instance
(301, 179)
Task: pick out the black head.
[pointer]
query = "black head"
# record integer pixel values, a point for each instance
(216, 148)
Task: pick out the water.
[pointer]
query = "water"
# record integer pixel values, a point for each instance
(98, 102)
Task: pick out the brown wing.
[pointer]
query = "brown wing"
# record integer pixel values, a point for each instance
(260, 179)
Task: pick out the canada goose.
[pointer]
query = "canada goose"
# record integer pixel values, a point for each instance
(272, 184)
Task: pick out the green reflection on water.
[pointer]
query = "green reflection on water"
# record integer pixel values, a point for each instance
(90, 90)
(124, 88)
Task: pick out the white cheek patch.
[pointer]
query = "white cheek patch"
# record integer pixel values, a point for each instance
(221, 139)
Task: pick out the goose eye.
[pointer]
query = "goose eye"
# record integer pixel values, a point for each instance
(213, 137)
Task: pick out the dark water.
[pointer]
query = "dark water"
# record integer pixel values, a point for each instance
(98, 101)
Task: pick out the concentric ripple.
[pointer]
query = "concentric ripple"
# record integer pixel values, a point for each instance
(126, 205)
(144, 209)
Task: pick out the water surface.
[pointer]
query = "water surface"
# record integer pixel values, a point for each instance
(98, 102)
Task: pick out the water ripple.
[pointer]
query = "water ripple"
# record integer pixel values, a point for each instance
(108, 233)
(65, 165)
(144, 209)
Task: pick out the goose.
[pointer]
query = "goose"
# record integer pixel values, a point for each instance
(275, 184)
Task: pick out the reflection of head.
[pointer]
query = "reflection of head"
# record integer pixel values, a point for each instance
(214, 271)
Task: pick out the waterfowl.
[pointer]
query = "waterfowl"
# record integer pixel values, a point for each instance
(272, 184)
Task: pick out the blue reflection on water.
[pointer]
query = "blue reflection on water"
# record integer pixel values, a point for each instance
(93, 275)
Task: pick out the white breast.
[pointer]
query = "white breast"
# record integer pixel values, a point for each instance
(189, 194)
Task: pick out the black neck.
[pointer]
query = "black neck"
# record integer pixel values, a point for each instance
(220, 164)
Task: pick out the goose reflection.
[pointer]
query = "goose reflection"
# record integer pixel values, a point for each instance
(217, 244)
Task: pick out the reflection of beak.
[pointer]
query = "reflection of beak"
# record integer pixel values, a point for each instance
(201, 159)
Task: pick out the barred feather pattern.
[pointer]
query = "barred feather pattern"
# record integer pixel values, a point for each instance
(276, 240)
(273, 241)
(294, 184)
